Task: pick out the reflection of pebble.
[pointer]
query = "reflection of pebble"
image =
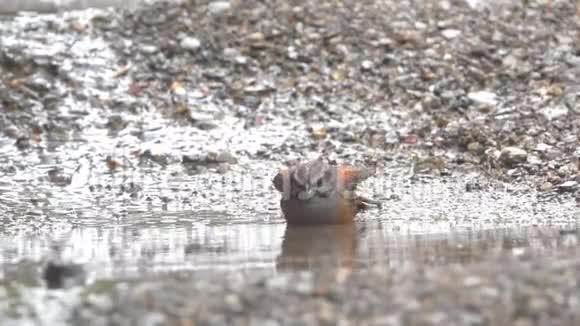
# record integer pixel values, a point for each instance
(62, 275)
(58, 177)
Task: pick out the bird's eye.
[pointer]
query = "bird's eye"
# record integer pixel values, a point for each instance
(320, 183)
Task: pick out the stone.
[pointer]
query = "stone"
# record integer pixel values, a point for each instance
(513, 155)
(190, 43)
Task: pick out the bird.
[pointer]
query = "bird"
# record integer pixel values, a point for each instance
(317, 193)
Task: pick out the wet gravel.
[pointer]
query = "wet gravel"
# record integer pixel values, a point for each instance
(507, 291)
(119, 121)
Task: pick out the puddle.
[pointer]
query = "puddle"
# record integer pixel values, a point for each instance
(130, 252)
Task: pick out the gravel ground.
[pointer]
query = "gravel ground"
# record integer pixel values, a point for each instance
(453, 86)
(440, 88)
(492, 85)
(504, 291)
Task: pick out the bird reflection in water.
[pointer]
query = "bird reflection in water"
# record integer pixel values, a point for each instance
(328, 251)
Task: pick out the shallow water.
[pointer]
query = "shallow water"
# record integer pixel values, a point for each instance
(148, 250)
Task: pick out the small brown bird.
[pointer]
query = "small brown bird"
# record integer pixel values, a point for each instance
(316, 192)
